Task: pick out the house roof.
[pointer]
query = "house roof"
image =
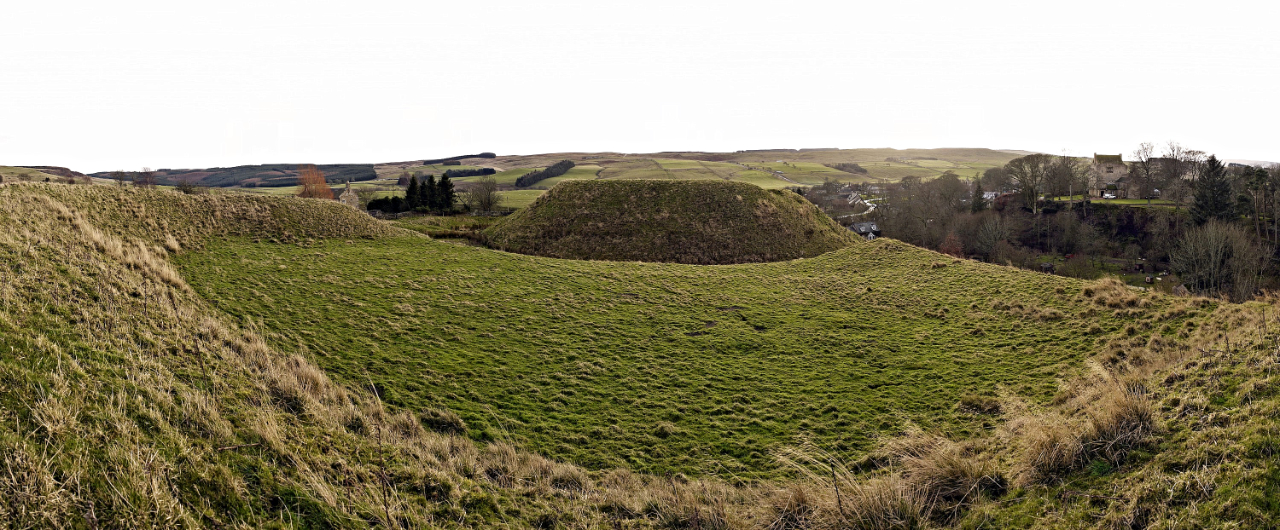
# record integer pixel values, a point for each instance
(1108, 159)
(865, 228)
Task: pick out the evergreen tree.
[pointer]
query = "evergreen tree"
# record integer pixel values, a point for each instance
(444, 194)
(979, 203)
(427, 192)
(1213, 198)
(411, 194)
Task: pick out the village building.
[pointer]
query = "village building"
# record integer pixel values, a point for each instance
(1108, 176)
(867, 230)
(349, 197)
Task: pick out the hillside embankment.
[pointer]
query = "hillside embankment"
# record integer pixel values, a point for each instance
(128, 401)
(696, 222)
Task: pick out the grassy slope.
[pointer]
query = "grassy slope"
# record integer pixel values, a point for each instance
(661, 367)
(699, 221)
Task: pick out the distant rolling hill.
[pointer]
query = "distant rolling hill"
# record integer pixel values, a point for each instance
(266, 175)
(767, 168)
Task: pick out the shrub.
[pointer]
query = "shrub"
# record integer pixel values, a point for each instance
(190, 188)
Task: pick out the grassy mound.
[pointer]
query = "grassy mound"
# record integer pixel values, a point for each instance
(694, 222)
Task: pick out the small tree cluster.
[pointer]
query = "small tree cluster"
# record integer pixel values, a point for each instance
(849, 167)
(482, 195)
(426, 195)
(555, 170)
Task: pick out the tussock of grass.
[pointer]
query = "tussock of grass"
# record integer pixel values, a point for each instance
(697, 222)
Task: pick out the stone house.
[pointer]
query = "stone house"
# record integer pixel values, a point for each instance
(1108, 174)
(349, 197)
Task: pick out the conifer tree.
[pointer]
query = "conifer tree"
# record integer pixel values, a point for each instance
(444, 194)
(1212, 198)
(411, 194)
(979, 203)
(427, 192)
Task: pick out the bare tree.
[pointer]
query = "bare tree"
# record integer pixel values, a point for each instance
(364, 195)
(313, 183)
(120, 177)
(1031, 172)
(1068, 176)
(483, 195)
(1178, 166)
(145, 179)
(1219, 258)
(1144, 173)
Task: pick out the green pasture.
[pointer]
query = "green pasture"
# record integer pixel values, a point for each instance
(520, 198)
(662, 367)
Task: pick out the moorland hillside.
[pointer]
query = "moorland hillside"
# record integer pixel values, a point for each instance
(696, 222)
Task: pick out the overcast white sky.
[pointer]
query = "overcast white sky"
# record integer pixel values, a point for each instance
(120, 85)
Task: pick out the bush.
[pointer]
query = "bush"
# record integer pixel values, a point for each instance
(555, 170)
(190, 188)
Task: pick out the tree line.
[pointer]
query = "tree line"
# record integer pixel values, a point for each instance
(554, 170)
(1213, 229)
(478, 172)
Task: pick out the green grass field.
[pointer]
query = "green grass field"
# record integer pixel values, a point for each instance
(662, 368)
(520, 198)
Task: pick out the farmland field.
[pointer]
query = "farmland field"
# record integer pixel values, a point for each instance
(519, 198)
